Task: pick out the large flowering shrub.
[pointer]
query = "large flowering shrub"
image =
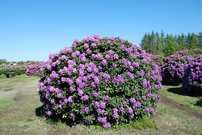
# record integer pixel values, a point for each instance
(193, 75)
(98, 80)
(173, 68)
(34, 68)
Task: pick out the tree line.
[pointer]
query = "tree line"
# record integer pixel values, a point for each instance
(167, 44)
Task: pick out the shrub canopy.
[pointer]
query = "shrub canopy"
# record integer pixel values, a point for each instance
(99, 80)
(174, 66)
(193, 75)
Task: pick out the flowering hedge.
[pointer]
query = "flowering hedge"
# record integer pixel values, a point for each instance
(193, 75)
(34, 68)
(99, 80)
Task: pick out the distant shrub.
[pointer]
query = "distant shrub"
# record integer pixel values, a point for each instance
(174, 66)
(192, 80)
(173, 69)
(103, 81)
(10, 70)
(34, 68)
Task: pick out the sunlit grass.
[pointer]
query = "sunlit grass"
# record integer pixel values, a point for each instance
(192, 102)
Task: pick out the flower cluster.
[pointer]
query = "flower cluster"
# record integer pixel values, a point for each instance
(34, 68)
(98, 80)
(193, 75)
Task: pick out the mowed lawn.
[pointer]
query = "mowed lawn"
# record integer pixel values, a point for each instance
(19, 103)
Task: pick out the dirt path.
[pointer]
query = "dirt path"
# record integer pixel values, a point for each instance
(181, 107)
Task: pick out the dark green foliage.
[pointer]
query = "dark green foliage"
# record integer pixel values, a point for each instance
(10, 74)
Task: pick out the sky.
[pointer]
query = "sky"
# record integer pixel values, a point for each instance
(32, 29)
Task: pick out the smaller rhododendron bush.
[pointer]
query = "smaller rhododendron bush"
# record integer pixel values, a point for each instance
(102, 81)
(192, 81)
(174, 66)
(34, 68)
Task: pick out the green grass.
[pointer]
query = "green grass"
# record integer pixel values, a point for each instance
(19, 100)
(2, 76)
(180, 123)
(182, 99)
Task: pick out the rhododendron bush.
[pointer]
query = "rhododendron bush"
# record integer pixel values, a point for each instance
(99, 80)
(193, 75)
(173, 69)
(174, 66)
(34, 68)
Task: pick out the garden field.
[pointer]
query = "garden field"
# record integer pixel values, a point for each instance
(20, 113)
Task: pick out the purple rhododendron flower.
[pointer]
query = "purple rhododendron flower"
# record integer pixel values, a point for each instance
(130, 75)
(100, 111)
(142, 72)
(93, 44)
(49, 113)
(121, 109)
(104, 62)
(105, 97)
(107, 125)
(102, 104)
(115, 115)
(116, 56)
(95, 93)
(107, 56)
(69, 99)
(84, 110)
(129, 110)
(102, 119)
(149, 110)
(86, 45)
(85, 97)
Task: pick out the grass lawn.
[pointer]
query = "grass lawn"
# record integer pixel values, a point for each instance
(194, 103)
(2, 76)
(19, 101)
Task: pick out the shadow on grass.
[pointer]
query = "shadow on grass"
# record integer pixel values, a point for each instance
(199, 103)
(191, 93)
(181, 91)
(40, 111)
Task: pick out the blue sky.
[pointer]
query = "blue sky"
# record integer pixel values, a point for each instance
(32, 29)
